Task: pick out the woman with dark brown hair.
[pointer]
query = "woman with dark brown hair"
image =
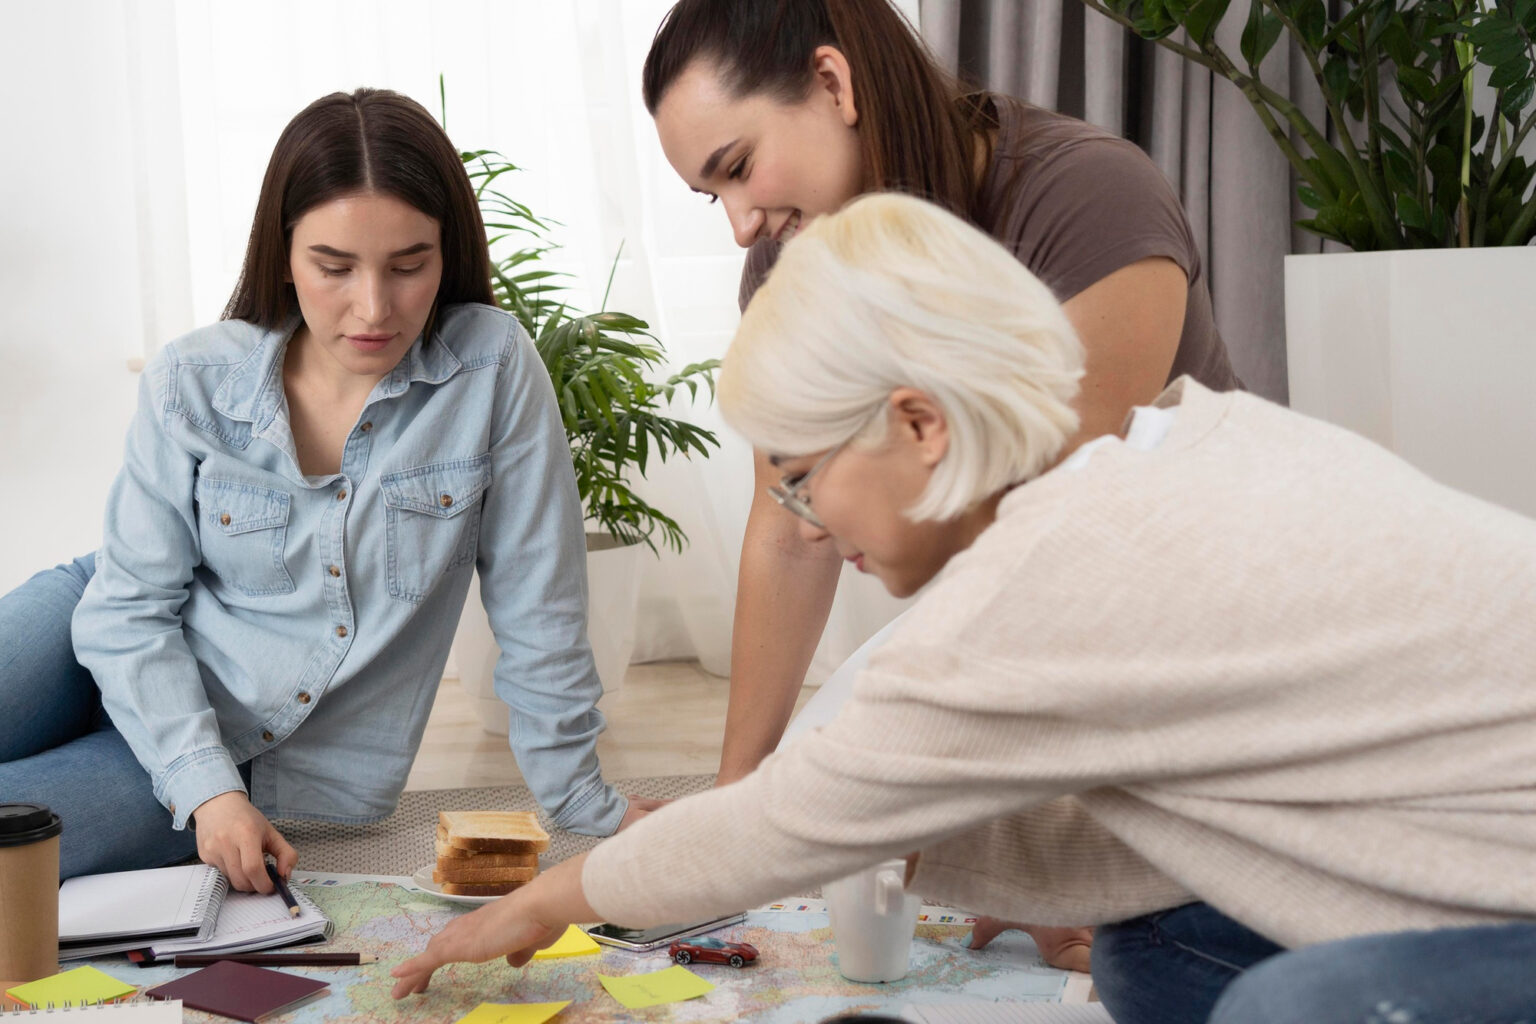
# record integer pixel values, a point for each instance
(306, 490)
(783, 110)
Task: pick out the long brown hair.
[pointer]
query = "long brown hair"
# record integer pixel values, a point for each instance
(371, 140)
(918, 128)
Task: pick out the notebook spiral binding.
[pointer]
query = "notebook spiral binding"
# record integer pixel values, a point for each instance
(90, 1007)
(215, 888)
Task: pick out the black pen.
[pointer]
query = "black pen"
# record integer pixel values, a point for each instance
(283, 890)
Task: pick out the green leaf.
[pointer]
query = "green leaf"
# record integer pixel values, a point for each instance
(1259, 35)
(1504, 48)
(1510, 72)
(1399, 172)
(1417, 83)
(1411, 213)
(1516, 98)
(1309, 197)
(1443, 162)
(1204, 16)
(1337, 75)
(1311, 17)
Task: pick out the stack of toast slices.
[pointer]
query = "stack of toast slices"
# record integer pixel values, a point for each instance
(487, 853)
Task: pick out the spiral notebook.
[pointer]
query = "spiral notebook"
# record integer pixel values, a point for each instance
(249, 921)
(137, 1011)
(131, 909)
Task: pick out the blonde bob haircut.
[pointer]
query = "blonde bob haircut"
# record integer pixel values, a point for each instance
(891, 292)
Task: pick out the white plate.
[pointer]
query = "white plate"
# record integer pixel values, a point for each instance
(422, 879)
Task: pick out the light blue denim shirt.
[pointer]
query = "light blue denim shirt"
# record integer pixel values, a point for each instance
(242, 611)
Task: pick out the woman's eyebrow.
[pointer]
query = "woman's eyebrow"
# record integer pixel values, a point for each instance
(410, 250)
(708, 170)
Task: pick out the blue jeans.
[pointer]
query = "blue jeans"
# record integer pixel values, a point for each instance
(1194, 965)
(58, 746)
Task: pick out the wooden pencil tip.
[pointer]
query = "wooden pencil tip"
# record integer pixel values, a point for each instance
(294, 911)
(367, 958)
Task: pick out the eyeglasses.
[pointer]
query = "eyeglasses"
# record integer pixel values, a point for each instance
(787, 491)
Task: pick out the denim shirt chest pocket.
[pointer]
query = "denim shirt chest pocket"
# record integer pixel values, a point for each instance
(243, 529)
(432, 522)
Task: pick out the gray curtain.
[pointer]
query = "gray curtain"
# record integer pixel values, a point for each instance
(1200, 131)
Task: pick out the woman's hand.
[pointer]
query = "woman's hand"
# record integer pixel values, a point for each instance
(515, 926)
(235, 837)
(639, 807)
(1066, 948)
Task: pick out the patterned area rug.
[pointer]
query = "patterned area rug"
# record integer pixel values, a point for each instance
(403, 842)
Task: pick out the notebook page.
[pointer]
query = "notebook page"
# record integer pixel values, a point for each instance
(250, 917)
(129, 903)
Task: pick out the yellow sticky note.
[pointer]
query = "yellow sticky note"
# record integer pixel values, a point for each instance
(574, 942)
(673, 985)
(81, 985)
(512, 1013)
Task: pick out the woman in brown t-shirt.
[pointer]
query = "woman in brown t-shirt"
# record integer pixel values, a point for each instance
(783, 110)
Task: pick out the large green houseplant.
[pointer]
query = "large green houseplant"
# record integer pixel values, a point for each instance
(601, 364)
(613, 398)
(1419, 339)
(1411, 155)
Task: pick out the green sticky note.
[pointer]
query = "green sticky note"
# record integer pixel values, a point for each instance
(81, 985)
(512, 1013)
(673, 985)
(574, 942)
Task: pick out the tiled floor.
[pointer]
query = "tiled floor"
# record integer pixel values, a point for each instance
(667, 719)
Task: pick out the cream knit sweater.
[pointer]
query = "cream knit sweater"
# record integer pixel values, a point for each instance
(1267, 665)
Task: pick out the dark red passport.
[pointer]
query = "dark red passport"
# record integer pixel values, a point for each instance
(241, 991)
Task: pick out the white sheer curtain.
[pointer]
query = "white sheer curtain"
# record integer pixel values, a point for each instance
(171, 124)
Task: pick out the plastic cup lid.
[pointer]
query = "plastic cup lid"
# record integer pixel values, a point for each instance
(27, 823)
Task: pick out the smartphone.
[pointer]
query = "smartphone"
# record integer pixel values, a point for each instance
(660, 935)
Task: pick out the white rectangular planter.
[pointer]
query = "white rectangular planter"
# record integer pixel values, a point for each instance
(1429, 352)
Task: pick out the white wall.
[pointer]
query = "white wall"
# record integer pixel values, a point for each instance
(70, 309)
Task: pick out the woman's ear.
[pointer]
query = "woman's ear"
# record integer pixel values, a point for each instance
(836, 79)
(920, 422)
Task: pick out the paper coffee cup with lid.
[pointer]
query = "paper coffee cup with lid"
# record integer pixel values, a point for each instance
(29, 892)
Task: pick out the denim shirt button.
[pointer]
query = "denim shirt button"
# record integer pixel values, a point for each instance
(446, 500)
(224, 519)
(334, 570)
(366, 426)
(341, 631)
(303, 698)
(266, 736)
(341, 495)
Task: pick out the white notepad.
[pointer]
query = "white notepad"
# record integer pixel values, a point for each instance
(248, 921)
(132, 909)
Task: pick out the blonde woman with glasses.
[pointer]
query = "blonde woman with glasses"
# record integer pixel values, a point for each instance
(1239, 687)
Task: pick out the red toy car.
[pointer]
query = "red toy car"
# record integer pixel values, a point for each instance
(709, 950)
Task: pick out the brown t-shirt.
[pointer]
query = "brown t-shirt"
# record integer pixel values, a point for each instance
(1074, 204)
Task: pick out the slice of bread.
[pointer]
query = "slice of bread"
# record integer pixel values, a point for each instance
(476, 889)
(451, 872)
(494, 831)
(447, 851)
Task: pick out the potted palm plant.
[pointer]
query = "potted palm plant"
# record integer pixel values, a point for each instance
(604, 367)
(1419, 338)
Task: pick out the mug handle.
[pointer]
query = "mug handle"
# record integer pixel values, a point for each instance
(888, 887)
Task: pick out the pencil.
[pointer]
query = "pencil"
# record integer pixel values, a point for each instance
(283, 890)
(277, 959)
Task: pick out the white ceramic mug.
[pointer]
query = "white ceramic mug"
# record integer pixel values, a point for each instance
(873, 919)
